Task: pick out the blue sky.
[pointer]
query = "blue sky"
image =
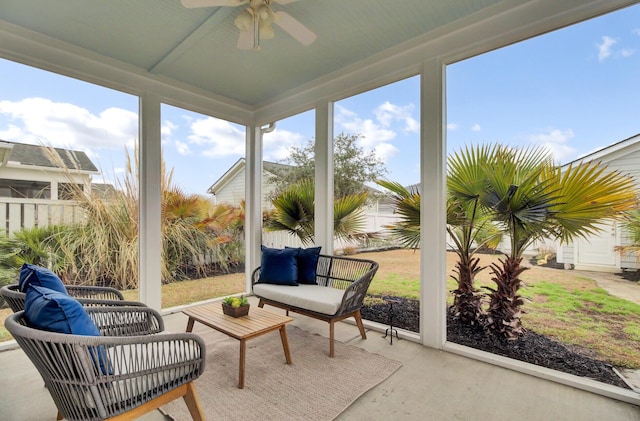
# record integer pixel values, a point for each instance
(572, 91)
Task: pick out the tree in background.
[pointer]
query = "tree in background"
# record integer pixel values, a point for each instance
(353, 166)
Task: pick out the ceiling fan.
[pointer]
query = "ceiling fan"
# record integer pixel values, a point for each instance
(255, 22)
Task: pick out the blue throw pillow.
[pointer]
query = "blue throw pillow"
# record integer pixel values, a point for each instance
(54, 311)
(307, 264)
(39, 276)
(279, 266)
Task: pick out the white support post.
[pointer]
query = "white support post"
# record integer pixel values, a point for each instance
(433, 216)
(150, 221)
(253, 202)
(323, 210)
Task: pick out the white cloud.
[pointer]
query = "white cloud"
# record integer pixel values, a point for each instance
(60, 124)
(277, 144)
(167, 129)
(183, 148)
(217, 137)
(627, 52)
(385, 151)
(554, 140)
(476, 128)
(452, 126)
(12, 132)
(375, 135)
(387, 113)
(604, 48)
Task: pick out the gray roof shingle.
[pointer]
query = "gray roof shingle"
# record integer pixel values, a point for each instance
(38, 156)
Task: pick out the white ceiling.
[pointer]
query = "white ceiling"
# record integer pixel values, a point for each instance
(195, 49)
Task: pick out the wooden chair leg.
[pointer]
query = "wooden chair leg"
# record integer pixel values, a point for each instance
(261, 303)
(358, 318)
(179, 392)
(193, 403)
(331, 339)
(59, 416)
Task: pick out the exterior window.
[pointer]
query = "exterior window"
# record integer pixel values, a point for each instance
(68, 191)
(25, 189)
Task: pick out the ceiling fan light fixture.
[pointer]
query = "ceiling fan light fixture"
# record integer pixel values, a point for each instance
(244, 20)
(264, 13)
(256, 21)
(266, 30)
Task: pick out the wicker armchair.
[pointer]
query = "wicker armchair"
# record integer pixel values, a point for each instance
(145, 370)
(89, 296)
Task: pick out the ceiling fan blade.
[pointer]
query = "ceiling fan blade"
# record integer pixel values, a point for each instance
(245, 40)
(212, 3)
(297, 30)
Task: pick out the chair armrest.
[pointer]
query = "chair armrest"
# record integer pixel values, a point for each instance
(95, 292)
(126, 320)
(94, 302)
(179, 356)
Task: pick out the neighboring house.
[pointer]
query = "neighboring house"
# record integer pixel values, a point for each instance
(28, 172)
(36, 191)
(230, 187)
(596, 252)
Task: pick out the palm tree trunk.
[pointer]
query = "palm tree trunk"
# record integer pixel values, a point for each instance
(467, 301)
(504, 313)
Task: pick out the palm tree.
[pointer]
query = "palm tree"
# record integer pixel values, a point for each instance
(407, 205)
(294, 212)
(631, 225)
(467, 224)
(470, 232)
(532, 198)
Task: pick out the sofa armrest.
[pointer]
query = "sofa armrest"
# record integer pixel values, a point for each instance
(354, 294)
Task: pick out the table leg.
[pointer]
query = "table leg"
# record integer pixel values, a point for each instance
(285, 343)
(243, 355)
(190, 324)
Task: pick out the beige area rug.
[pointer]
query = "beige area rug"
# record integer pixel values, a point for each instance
(315, 387)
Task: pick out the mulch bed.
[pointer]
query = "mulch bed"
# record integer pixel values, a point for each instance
(532, 347)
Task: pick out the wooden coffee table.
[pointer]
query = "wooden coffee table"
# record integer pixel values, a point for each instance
(256, 323)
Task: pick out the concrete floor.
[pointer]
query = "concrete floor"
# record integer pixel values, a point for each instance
(431, 385)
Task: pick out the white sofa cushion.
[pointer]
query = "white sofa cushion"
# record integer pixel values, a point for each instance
(321, 299)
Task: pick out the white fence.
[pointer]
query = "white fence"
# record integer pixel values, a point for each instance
(28, 213)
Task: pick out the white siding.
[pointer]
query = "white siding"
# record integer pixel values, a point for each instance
(233, 192)
(626, 161)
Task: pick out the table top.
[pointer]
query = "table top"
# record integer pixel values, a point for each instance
(255, 323)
